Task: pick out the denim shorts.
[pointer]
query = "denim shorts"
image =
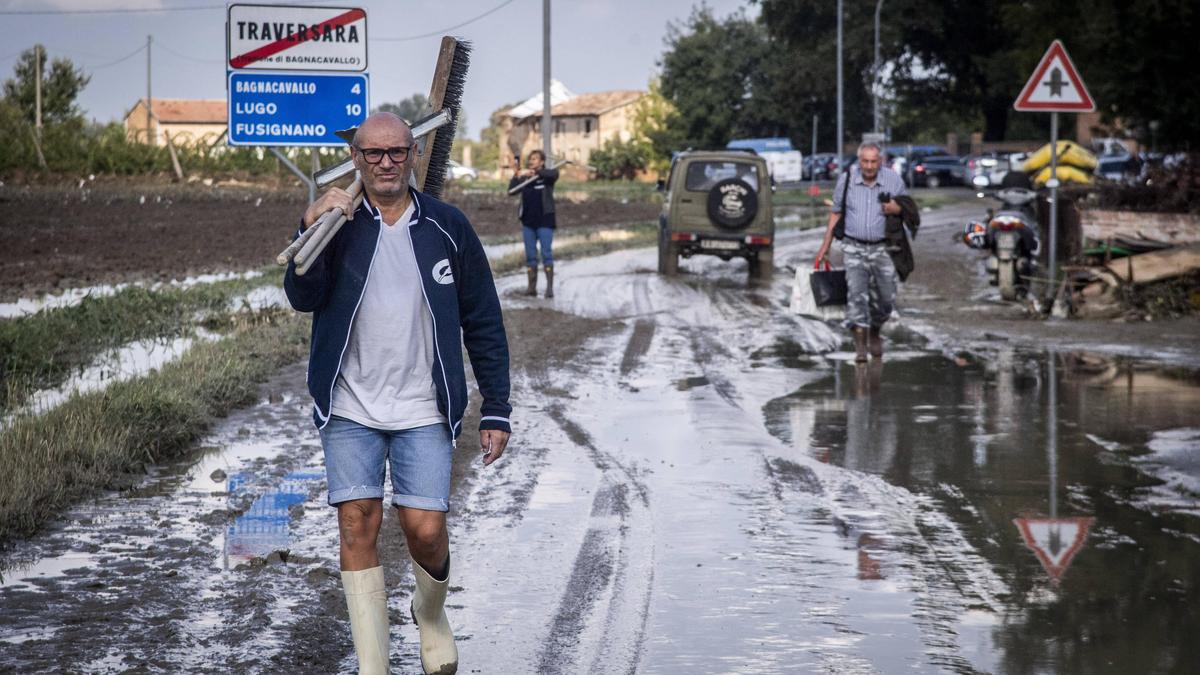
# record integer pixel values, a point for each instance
(419, 461)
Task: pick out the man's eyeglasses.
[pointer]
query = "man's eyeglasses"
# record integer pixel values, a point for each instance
(375, 155)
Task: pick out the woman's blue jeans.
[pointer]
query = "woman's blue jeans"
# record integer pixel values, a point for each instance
(533, 237)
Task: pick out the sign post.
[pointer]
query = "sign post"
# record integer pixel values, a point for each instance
(294, 76)
(1054, 87)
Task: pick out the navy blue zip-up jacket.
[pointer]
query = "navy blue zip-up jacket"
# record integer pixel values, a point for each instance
(458, 290)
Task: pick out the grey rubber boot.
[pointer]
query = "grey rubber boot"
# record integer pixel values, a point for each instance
(549, 282)
(531, 272)
(366, 601)
(439, 656)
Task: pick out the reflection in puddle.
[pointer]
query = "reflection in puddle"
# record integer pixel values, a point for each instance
(263, 528)
(1076, 477)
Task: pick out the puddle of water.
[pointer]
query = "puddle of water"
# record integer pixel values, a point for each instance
(120, 364)
(1088, 516)
(258, 299)
(74, 296)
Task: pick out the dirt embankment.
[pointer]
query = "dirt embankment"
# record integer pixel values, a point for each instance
(83, 233)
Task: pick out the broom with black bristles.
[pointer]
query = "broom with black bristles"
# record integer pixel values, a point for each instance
(449, 78)
(429, 172)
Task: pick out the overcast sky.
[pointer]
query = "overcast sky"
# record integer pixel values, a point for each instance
(596, 44)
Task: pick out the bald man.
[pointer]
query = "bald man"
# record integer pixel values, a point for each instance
(390, 296)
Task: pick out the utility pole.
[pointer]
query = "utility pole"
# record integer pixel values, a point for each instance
(37, 89)
(840, 124)
(149, 134)
(37, 95)
(875, 70)
(546, 120)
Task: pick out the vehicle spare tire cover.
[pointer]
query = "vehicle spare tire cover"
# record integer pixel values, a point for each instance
(732, 203)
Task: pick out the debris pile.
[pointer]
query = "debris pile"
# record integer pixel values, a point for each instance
(1144, 265)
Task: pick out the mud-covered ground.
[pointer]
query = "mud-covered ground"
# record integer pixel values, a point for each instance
(104, 231)
(701, 482)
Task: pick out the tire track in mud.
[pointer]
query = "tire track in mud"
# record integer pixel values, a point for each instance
(604, 608)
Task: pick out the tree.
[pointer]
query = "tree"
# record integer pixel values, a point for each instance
(1138, 62)
(620, 159)
(657, 124)
(804, 72)
(488, 155)
(717, 76)
(61, 84)
(410, 109)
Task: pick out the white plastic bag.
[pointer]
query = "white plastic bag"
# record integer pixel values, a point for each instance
(804, 304)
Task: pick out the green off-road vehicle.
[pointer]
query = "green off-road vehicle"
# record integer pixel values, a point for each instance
(717, 203)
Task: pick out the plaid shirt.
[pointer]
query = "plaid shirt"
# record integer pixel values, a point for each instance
(865, 220)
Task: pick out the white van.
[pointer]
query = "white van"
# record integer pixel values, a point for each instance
(784, 163)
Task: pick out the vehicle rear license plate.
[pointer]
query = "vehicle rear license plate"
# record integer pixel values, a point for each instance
(721, 244)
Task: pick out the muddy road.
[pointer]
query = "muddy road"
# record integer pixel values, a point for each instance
(699, 482)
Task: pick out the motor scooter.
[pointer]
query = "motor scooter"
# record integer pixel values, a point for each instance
(1010, 235)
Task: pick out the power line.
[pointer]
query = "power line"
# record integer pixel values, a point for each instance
(114, 10)
(123, 58)
(125, 10)
(443, 31)
(164, 47)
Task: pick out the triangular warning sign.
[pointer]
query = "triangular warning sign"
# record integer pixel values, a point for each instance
(1055, 85)
(1054, 541)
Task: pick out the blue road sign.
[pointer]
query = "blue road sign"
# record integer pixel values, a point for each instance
(294, 109)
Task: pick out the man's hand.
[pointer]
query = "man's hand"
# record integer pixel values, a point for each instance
(492, 443)
(891, 208)
(333, 198)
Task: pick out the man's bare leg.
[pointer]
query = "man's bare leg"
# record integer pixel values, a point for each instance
(429, 545)
(359, 521)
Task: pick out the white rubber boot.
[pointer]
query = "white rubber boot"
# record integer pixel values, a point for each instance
(366, 599)
(439, 656)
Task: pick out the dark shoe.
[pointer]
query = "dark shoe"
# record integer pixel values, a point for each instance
(549, 281)
(532, 290)
(860, 345)
(875, 343)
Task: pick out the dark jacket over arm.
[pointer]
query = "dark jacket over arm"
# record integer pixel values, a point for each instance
(897, 241)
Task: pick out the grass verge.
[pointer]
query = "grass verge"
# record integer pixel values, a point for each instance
(101, 440)
(39, 351)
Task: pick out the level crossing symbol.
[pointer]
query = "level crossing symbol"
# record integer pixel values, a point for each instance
(1055, 85)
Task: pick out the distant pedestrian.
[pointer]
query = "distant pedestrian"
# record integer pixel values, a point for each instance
(395, 296)
(870, 274)
(536, 212)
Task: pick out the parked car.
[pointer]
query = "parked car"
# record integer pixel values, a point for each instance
(1118, 167)
(818, 163)
(456, 171)
(899, 156)
(991, 166)
(938, 170)
(718, 204)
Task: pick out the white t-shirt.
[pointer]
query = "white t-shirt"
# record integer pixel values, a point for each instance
(386, 377)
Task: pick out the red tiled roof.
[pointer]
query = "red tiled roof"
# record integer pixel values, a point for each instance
(597, 103)
(188, 111)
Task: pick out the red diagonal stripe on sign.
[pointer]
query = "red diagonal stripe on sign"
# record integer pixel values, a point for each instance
(286, 43)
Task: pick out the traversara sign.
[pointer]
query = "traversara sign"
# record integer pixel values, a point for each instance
(276, 37)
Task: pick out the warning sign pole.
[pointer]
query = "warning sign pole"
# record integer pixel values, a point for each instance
(1053, 185)
(1054, 87)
